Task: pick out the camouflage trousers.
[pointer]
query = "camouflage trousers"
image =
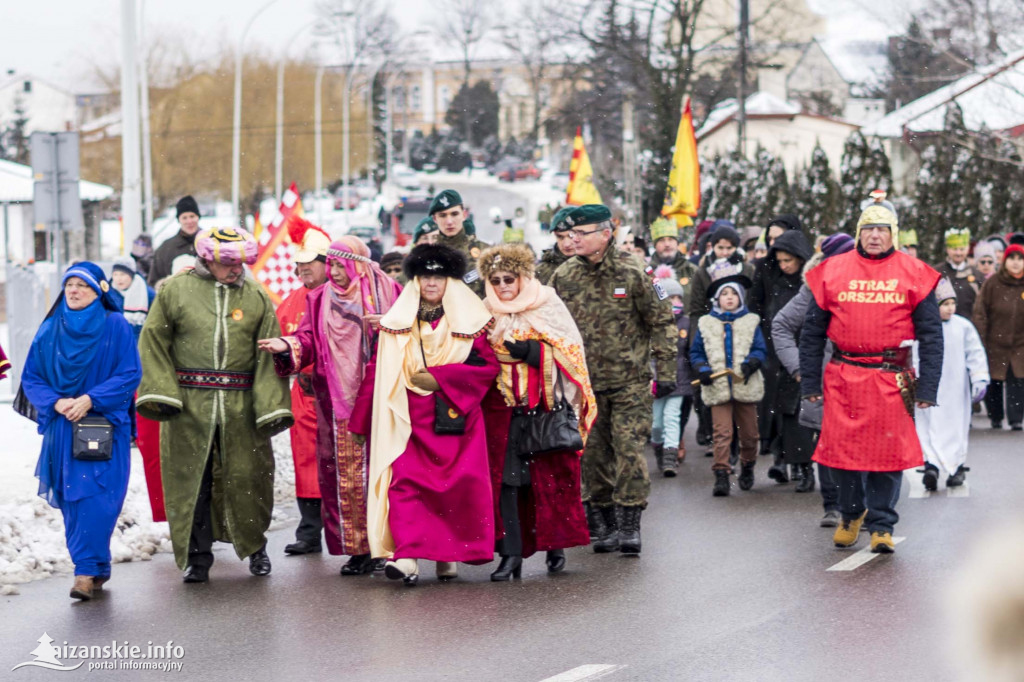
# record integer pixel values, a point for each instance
(614, 467)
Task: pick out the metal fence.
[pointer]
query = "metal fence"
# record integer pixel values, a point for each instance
(31, 291)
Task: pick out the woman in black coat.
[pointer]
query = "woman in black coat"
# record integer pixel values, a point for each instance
(776, 282)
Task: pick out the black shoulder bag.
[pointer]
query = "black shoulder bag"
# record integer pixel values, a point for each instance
(447, 420)
(543, 432)
(92, 439)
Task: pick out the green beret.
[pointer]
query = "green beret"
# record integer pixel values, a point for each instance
(588, 214)
(425, 226)
(469, 227)
(558, 223)
(444, 200)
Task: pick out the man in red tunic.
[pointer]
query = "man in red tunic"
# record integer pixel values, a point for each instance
(872, 303)
(311, 268)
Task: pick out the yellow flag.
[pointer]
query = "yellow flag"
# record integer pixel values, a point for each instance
(581, 188)
(682, 198)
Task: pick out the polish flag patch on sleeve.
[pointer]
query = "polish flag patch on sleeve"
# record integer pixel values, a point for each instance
(620, 292)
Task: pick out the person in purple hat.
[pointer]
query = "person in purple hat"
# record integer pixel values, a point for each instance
(786, 338)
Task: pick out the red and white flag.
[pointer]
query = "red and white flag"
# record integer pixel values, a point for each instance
(274, 268)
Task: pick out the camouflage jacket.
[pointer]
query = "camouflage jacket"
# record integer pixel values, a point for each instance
(623, 317)
(470, 248)
(549, 262)
(685, 272)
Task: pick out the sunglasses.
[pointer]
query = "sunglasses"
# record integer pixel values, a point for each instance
(986, 261)
(393, 270)
(507, 281)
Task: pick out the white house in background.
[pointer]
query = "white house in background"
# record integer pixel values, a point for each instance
(991, 98)
(18, 231)
(844, 73)
(779, 126)
(46, 106)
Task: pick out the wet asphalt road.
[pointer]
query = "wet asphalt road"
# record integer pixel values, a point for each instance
(726, 589)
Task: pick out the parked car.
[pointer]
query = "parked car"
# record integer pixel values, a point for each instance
(522, 171)
(353, 197)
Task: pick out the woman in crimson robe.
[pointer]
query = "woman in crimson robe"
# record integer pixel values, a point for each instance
(429, 492)
(541, 355)
(336, 336)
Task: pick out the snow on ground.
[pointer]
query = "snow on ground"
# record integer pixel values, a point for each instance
(32, 532)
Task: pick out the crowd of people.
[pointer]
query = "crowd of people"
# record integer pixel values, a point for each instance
(466, 400)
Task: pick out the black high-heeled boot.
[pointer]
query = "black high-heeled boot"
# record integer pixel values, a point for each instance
(555, 560)
(510, 567)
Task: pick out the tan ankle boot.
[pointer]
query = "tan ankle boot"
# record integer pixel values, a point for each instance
(82, 588)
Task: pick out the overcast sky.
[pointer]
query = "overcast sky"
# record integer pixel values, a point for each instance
(63, 40)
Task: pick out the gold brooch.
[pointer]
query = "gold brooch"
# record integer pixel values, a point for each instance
(104, 287)
(452, 414)
(237, 314)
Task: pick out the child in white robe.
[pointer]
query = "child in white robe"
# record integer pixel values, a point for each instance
(943, 429)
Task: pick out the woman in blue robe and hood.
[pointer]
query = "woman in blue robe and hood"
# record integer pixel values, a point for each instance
(84, 363)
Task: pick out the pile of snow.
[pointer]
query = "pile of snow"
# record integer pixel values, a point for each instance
(32, 543)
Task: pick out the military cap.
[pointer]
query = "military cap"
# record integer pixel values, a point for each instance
(587, 214)
(444, 200)
(424, 226)
(558, 223)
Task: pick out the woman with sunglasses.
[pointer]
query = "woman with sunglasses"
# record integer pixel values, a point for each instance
(540, 352)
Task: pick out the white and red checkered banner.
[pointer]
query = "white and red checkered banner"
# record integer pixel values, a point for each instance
(274, 268)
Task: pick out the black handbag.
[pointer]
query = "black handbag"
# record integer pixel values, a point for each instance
(92, 439)
(448, 421)
(543, 432)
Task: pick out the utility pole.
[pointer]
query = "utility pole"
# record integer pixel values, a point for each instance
(147, 150)
(131, 180)
(318, 139)
(741, 115)
(629, 160)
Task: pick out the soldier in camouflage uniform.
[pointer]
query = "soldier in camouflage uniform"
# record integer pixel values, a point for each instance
(665, 237)
(563, 250)
(449, 213)
(624, 317)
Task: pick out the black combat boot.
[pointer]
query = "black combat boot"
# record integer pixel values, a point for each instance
(608, 541)
(722, 484)
(629, 535)
(796, 474)
(595, 521)
(777, 471)
(958, 477)
(806, 483)
(746, 478)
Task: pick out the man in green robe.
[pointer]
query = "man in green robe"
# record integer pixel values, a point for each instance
(220, 402)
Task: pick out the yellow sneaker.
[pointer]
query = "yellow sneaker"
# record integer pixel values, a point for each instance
(881, 543)
(847, 531)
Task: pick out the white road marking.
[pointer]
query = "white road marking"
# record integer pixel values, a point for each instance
(584, 672)
(959, 491)
(917, 488)
(859, 558)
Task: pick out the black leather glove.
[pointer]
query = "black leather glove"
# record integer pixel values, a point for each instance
(705, 377)
(663, 389)
(749, 367)
(527, 351)
(518, 349)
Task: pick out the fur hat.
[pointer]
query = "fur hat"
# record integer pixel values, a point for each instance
(514, 258)
(187, 204)
(434, 259)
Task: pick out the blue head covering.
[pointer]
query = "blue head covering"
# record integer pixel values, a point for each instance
(68, 340)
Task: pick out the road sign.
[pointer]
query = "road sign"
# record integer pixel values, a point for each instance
(56, 204)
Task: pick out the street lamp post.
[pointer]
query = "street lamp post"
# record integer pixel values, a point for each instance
(147, 150)
(279, 126)
(236, 137)
(318, 138)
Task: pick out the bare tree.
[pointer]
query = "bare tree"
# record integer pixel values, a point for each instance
(465, 23)
(533, 35)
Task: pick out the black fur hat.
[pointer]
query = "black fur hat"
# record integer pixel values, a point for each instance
(434, 259)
